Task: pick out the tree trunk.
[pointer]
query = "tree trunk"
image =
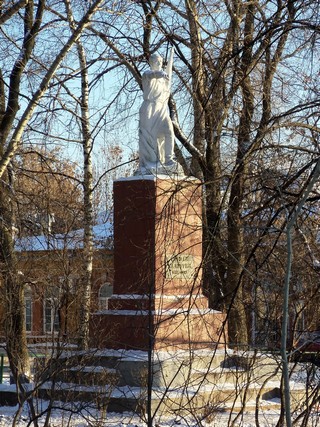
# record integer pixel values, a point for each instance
(86, 279)
(13, 288)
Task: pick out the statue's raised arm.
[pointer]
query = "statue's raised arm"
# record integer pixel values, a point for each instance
(156, 134)
(170, 65)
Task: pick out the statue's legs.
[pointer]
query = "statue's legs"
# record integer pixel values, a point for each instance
(166, 136)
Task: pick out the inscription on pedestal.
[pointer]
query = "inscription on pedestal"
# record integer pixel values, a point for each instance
(180, 267)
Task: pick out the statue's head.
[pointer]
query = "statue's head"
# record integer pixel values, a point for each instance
(156, 61)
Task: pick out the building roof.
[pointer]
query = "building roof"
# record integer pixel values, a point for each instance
(102, 238)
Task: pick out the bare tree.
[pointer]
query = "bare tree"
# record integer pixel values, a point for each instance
(14, 121)
(87, 144)
(239, 109)
(234, 55)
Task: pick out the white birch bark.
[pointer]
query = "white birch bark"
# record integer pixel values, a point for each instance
(87, 190)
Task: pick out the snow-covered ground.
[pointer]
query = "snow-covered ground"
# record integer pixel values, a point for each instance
(69, 416)
(87, 418)
(67, 419)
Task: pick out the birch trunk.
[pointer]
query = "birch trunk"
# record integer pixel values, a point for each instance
(87, 143)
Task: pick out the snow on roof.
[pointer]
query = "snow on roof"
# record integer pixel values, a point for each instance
(102, 238)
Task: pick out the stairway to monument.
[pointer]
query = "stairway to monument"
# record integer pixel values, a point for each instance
(180, 382)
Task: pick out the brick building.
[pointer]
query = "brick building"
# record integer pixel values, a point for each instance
(51, 268)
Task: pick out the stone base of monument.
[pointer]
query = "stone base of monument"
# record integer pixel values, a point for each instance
(158, 302)
(158, 309)
(169, 330)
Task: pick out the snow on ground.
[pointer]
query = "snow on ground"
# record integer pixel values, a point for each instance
(69, 416)
(91, 418)
(68, 419)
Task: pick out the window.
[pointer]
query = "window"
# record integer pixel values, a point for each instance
(105, 293)
(28, 308)
(51, 315)
(51, 310)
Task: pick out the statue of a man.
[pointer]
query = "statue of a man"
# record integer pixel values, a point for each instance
(156, 134)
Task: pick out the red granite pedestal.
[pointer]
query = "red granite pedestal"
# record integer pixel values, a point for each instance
(158, 302)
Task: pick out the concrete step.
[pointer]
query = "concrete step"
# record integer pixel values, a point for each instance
(169, 369)
(194, 381)
(108, 398)
(235, 376)
(165, 402)
(88, 375)
(198, 400)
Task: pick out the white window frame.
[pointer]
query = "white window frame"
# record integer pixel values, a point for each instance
(106, 288)
(50, 325)
(28, 309)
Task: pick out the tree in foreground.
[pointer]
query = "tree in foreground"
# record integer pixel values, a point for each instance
(31, 59)
(238, 107)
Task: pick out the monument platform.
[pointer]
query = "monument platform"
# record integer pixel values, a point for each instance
(158, 302)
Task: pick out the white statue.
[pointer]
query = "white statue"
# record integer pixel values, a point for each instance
(156, 134)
